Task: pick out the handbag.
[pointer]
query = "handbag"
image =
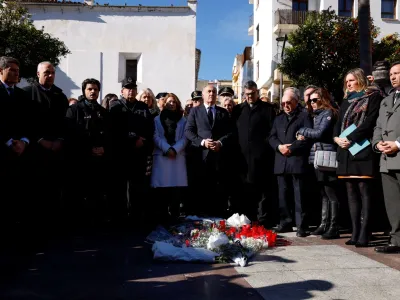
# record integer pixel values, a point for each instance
(325, 160)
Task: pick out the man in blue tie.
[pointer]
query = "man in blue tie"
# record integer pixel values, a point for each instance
(15, 136)
(210, 129)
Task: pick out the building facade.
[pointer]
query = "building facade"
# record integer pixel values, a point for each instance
(272, 19)
(154, 45)
(242, 71)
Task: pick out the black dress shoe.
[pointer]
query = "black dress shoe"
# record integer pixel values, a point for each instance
(301, 233)
(283, 229)
(388, 249)
(350, 243)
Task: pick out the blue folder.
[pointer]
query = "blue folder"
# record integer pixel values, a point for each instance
(355, 147)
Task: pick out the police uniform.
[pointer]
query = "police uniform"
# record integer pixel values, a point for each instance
(129, 122)
(87, 128)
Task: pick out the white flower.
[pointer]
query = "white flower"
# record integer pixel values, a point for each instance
(216, 240)
(240, 261)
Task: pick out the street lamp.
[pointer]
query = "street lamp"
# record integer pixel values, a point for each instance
(281, 39)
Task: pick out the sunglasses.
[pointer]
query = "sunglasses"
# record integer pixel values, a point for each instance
(314, 100)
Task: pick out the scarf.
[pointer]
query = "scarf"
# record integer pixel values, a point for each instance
(169, 120)
(357, 110)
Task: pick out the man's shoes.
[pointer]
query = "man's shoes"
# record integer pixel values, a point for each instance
(388, 249)
(301, 233)
(283, 228)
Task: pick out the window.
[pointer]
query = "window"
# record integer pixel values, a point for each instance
(346, 8)
(258, 32)
(131, 69)
(300, 5)
(258, 69)
(388, 9)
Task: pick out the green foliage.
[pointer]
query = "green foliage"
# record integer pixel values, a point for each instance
(322, 50)
(388, 48)
(20, 39)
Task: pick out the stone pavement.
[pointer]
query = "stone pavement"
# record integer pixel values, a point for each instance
(311, 268)
(120, 266)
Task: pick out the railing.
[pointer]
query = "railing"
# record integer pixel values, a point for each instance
(288, 16)
(251, 21)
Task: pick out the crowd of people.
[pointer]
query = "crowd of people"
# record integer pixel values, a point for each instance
(145, 159)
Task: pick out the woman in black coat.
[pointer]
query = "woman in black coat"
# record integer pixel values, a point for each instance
(360, 107)
(325, 116)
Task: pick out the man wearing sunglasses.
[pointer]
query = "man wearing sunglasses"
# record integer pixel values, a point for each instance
(291, 160)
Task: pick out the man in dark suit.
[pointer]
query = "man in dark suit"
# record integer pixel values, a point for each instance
(209, 128)
(50, 106)
(291, 161)
(14, 139)
(254, 120)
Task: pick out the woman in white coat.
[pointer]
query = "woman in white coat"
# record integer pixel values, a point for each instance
(169, 174)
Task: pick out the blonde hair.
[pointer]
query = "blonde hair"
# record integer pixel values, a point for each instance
(360, 78)
(148, 92)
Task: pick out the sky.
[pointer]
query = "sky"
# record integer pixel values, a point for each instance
(221, 32)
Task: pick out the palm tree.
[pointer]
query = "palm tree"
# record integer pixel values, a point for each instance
(364, 27)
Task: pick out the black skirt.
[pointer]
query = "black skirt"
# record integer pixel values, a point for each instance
(325, 176)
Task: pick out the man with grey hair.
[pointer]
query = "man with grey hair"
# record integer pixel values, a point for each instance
(210, 130)
(14, 138)
(49, 110)
(291, 163)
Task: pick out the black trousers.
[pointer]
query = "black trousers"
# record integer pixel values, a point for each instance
(391, 190)
(209, 195)
(292, 187)
(259, 201)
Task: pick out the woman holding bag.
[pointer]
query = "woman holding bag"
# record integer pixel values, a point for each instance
(359, 109)
(325, 115)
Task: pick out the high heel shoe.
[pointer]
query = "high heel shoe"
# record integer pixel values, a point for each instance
(351, 242)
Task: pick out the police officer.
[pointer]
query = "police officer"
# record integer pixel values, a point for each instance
(131, 131)
(86, 137)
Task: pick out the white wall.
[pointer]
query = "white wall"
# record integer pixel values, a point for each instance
(101, 38)
(386, 26)
(263, 50)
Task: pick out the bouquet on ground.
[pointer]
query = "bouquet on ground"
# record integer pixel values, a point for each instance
(217, 240)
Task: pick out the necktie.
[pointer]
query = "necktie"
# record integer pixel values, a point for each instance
(10, 91)
(396, 97)
(210, 116)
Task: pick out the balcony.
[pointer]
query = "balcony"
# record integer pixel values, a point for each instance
(251, 25)
(287, 20)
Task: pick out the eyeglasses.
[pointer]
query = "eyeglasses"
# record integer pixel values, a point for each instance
(314, 100)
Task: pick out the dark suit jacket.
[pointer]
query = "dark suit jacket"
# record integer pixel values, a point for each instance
(284, 132)
(198, 128)
(49, 110)
(15, 120)
(253, 127)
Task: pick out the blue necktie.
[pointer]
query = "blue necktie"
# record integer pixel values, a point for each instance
(10, 91)
(210, 116)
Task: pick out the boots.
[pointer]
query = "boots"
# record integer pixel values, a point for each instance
(324, 218)
(333, 231)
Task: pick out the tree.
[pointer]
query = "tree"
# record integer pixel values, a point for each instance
(364, 16)
(322, 50)
(20, 39)
(388, 48)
